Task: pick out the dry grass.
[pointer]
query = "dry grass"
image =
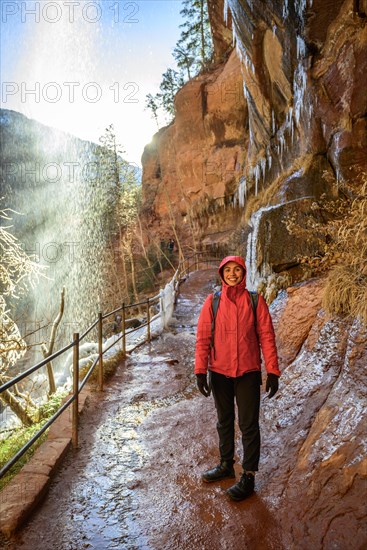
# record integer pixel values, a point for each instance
(346, 292)
(346, 284)
(110, 365)
(109, 368)
(340, 228)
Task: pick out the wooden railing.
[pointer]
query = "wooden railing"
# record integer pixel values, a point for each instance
(184, 269)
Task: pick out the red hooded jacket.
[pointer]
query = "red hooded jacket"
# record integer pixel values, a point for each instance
(236, 340)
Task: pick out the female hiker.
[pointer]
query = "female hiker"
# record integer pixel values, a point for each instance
(228, 345)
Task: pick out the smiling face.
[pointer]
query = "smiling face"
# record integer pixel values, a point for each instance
(232, 273)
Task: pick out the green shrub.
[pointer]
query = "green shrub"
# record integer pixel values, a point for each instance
(13, 443)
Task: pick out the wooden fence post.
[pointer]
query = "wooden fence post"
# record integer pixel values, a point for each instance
(148, 319)
(100, 350)
(75, 417)
(161, 308)
(123, 328)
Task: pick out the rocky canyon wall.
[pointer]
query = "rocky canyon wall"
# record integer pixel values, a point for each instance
(313, 431)
(282, 118)
(198, 159)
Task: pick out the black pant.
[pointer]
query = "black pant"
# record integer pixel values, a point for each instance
(246, 390)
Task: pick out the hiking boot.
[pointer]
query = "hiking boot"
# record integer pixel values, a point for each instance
(223, 470)
(242, 489)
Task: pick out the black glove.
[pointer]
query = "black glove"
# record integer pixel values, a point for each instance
(272, 384)
(202, 384)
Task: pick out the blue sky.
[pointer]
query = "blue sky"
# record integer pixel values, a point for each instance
(80, 65)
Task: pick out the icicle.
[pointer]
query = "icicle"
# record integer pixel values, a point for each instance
(249, 276)
(273, 122)
(300, 7)
(245, 92)
(282, 144)
(234, 199)
(257, 177)
(242, 192)
(263, 167)
(289, 125)
(242, 54)
(287, 120)
(269, 157)
(285, 10)
(250, 133)
(301, 47)
(225, 11)
(291, 122)
(253, 274)
(300, 81)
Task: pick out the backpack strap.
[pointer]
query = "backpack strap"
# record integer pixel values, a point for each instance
(215, 305)
(254, 299)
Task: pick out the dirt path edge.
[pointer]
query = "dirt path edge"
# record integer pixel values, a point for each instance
(21, 496)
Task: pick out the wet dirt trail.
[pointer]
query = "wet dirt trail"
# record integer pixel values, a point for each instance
(135, 481)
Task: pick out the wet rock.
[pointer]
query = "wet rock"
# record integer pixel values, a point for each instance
(314, 444)
(331, 468)
(139, 397)
(20, 498)
(221, 31)
(172, 361)
(294, 324)
(195, 165)
(308, 181)
(133, 323)
(274, 248)
(348, 151)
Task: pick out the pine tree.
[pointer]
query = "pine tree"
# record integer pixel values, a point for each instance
(111, 162)
(172, 81)
(184, 58)
(152, 104)
(117, 182)
(110, 201)
(196, 35)
(193, 53)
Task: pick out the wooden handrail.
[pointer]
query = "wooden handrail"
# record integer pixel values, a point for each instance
(77, 385)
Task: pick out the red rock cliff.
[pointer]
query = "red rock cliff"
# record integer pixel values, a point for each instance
(286, 107)
(199, 157)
